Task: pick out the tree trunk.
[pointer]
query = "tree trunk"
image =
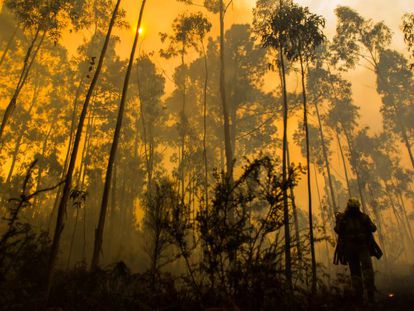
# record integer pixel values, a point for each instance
(327, 162)
(403, 133)
(28, 63)
(308, 163)
(379, 222)
(68, 150)
(101, 223)
(9, 43)
(400, 200)
(295, 213)
(72, 240)
(356, 169)
(226, 121)
(39, 175)
(14, 158)
(205, 125)
(113, 210)
(399, 221)
(68, 180)
(325, 218)
(407, 144)
(288, 257)
(85, 151)
(148, 141)
(344, 163)
(20, 137)
(183, 128)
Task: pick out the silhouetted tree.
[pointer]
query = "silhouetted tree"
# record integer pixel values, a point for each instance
(102, 215)
(68, 179)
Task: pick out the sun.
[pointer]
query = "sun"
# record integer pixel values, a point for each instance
(140, 30)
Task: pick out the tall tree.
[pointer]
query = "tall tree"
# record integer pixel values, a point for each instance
(273, 29)
(108, 178)
(305, 36)
(408, 30)
(68, 180)
(359, 38)
(153, 116)
(394, 79)
(188, 30)
(42, 18)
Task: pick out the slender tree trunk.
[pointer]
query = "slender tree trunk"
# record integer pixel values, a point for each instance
(183, 127)
(21, 134)
(113, 211)
(148, 141)
(226, 121)
(68, 180)
(344, 163)
(400, 200)
(28, 63)
(407, 220)
(72, 240)
(233, 125)
(327, 162)
(68, 150)
(205, 124)
(14, 158)
(329, 210)
(400, 224)
(308, 163)
(356, 169)
(84, 236)
(295, 212)
(404, 133)
(156, 250)
(147, 148)
(101, 223)
(378, 220)
(407, 144)
(40, 167)
(324, 216)
(222, 161)
(8, 46)
(85, 150)
(123, 213)
(288, 257)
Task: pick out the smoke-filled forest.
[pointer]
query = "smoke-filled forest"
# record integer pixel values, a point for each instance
(203, 154)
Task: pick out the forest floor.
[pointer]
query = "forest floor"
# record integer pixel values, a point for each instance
(395, 291)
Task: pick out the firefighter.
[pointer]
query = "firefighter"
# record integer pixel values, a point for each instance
(356, 246)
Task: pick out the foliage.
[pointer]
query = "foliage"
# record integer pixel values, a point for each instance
(357, 38)
(408, 29)
(294, 30)
(188, 30)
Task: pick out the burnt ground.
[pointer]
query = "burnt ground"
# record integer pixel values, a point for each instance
(395, 291)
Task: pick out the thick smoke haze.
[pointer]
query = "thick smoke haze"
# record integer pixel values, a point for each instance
(203, 154)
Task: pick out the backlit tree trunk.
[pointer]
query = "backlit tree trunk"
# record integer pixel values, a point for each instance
(226, 119)
(288, 257)
(68, 180)
(327, 162)
(7, 48)
(101, 223)
(344, 163)
(308, 163)
(28, 63)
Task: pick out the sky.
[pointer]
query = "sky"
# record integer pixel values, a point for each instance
(160, 14)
